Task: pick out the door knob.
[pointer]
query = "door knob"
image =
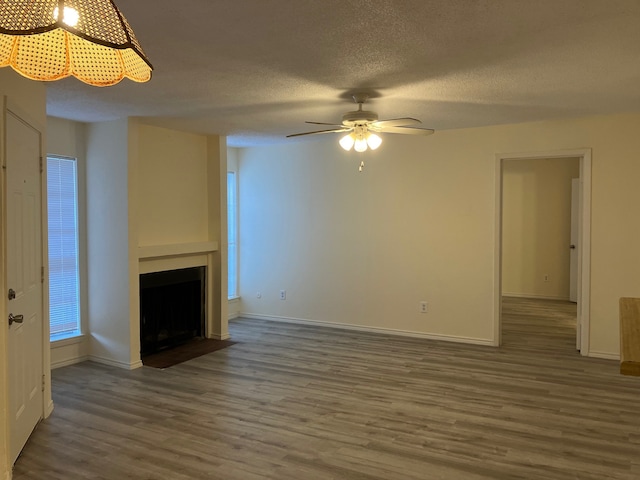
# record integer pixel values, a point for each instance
(572, 247)
(15, 319)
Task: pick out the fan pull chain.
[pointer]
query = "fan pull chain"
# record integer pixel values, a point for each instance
(361, 166)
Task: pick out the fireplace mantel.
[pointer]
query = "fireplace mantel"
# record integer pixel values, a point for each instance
(177, 249)
(156, 258)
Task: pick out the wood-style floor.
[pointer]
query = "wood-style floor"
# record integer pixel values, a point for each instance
(307, 403)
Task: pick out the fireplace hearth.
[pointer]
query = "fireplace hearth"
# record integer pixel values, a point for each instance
(172, 308)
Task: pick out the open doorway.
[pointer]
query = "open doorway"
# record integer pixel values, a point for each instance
(534, 244)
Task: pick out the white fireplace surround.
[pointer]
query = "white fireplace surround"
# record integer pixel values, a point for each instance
(162, 258)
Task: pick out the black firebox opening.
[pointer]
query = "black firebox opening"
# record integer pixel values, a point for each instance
(172, 308)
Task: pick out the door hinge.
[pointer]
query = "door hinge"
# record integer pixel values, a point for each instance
(41, 164)
(43, 381)
(42, 274)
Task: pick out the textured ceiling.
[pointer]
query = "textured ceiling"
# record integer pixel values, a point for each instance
(255, 70)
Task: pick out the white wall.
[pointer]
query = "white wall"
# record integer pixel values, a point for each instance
(365, 248)
(217, 214)
(419, 224)
(232, 166)
(67, 138)
(536, 226)
(146, 186)
(232, 159)
(108, 241)
(30, 97)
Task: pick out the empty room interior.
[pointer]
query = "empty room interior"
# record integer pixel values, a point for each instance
(320, 240)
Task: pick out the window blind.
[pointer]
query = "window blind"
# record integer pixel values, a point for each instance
(232, 233)
(62, 203)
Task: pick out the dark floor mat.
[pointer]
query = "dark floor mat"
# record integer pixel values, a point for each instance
(187, 351)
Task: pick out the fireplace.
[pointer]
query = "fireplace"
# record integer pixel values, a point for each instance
(172, 308)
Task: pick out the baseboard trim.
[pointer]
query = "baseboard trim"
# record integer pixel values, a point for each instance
(69, 361)
(135, 365)
(215, 336)
(49, 409)
(604, 355)
(368, 329)
(232, 306)
(115, 363)
(536, 297)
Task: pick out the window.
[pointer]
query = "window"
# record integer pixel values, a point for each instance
(232, 232)
(64, 284)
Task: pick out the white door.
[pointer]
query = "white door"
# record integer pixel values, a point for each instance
(573, 255)
(24, 279)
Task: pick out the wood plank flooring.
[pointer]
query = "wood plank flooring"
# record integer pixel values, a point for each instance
(307, 403)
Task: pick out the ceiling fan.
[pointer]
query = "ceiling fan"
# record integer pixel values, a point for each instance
(363, 127)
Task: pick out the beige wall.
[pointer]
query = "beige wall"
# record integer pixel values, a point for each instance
(30, 98)
(172, 187)
(181, 195)
(419, 224)
(536, 226)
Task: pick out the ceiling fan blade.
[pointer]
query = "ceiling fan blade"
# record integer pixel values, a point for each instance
(409, 130)
(330, 124)
(333, 130)
(395, 122)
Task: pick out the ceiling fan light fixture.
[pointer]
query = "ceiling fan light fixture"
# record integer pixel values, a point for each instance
(373, 140)
(347, 142)
(363, 127)
(92, 41)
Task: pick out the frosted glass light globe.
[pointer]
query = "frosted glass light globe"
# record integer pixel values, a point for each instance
(374, 141)
(347, 142)
(360, 145)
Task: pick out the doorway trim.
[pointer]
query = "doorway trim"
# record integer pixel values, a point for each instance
(584, 239)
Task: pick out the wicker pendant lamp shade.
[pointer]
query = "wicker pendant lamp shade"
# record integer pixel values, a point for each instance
(53, 39)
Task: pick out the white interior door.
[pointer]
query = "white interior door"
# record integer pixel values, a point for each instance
(573, 255)
(24, 279)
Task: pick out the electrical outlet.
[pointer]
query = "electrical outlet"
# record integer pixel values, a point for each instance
(423, 307)
(283, 294)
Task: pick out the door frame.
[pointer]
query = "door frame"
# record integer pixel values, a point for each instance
(573, 253)
(584, 239)
(9, 107)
